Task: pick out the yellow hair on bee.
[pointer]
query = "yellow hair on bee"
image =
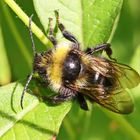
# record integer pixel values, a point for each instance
(55, 70)
(81, 81)
(86, 59)
(96, 64)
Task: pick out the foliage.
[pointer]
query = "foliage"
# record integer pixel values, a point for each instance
(93, 22)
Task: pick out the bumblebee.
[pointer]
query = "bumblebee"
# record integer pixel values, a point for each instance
(74, 73)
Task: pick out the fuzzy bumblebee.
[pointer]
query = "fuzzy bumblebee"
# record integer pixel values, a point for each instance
(74, 73)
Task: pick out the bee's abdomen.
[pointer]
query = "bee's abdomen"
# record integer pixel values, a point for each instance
(97, 78)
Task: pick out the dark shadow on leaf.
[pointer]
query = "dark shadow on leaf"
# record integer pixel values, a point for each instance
(42, 92)
(32, 125)
(35, 88)
(12, 95)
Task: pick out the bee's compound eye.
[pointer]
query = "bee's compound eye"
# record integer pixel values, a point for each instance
(71, 67)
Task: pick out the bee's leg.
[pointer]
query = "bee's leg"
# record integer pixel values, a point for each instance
(65, 94)
(60, 98)
(50, 33)
(82, 101)
(66, 33)
(106, 47)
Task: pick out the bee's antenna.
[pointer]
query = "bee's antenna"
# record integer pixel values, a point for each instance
(25, 88)
(31, 35)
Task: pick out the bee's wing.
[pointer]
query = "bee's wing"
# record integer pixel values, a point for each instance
(126, 76)
(112, 96)
(116, 100)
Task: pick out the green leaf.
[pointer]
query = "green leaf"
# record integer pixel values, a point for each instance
(5, 74)
(36, 121)
(136, 65)
(91, 21)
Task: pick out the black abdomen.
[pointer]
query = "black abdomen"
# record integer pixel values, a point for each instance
(100, 79)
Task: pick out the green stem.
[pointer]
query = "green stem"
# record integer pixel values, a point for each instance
(125, 125)
(19, 12)
(17, 36)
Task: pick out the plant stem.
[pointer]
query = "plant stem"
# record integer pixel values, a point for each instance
(17, 36)
(19, 12)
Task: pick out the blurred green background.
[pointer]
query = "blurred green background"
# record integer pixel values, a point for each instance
(16, 59)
